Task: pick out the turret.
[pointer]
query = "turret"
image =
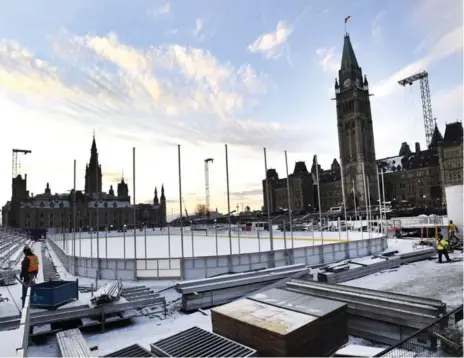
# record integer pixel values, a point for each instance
(155, 199)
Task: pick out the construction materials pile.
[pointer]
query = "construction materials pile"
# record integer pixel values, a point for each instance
(109, 292)
(280, 323)
(378, 316)
(8, 276)
(353, 269)
(218, 290)
(387, 260)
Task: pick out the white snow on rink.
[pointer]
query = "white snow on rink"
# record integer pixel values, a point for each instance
(161, 245)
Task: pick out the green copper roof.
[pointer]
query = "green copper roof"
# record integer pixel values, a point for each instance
(348, 57)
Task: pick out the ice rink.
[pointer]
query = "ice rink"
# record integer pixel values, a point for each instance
(161, 245)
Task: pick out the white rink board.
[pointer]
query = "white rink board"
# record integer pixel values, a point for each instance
(164, 246)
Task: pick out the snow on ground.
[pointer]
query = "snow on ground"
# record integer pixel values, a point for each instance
(164, 246)
(424, 278)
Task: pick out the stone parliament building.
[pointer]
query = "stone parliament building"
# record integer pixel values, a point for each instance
(93, 206)
(417, 176)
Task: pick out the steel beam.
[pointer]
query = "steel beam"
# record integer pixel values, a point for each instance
(240, 281)
(360, 299)
(210, 280)
(376, 293)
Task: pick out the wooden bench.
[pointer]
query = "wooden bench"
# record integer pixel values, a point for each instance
(73, 344)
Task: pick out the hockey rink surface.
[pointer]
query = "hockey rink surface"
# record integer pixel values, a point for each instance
(160, 245)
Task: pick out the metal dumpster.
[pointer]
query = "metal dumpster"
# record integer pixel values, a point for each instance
(53, 294)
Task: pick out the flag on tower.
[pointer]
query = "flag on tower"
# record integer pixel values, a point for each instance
(347, 18)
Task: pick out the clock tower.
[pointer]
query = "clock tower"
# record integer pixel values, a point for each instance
(355, 131)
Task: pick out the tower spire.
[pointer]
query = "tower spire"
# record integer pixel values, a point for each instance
(349, 61)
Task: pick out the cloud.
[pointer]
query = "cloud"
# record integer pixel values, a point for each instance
(448, 45)
(197, 31)
(324, 12)
(328, 60)
(270, 44)
(165, 8)
(158, 93)
(160, 11)
(246, 194)
(376, 29)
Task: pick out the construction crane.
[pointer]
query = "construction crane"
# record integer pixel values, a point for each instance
(429, 121)
(16, 164)
(207, 161)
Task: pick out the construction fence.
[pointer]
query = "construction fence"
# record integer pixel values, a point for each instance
(442, 338)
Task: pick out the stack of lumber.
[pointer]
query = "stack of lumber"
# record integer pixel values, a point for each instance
(109, 292)
(279, 323)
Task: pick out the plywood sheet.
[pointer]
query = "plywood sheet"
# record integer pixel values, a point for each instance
(298, 302)
(274, 319)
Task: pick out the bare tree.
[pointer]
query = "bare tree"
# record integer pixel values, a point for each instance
(201, 210)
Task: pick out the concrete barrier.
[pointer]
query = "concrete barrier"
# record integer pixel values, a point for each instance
(190, 268)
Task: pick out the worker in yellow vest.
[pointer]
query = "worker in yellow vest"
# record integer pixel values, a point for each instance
(452, 230)
(442, 249)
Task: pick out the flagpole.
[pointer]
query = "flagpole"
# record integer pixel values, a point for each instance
(319, 200)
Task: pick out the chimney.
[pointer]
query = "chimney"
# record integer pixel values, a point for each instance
(417, 147)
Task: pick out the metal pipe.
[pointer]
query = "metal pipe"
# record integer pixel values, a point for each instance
(135, 213)
(74, 214)
(356, 209)
(180, 203)
(365, 195)
(342, 177)
(289, 199)
(228, 200)
(271, 238)
(380, 199)
(319, 200)
(369, 206)
(384, 205)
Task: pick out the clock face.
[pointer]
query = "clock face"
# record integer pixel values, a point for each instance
(347, 83)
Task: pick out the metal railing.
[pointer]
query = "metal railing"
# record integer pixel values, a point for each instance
(416, 221)
(439, 339)
(23, 331)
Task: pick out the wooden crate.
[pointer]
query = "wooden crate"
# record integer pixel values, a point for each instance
(279, 332)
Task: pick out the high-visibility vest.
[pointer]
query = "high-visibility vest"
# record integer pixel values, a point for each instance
(442, 244)
(452, 227)
(33, 263)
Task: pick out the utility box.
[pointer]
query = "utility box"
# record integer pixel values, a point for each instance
(53, 294)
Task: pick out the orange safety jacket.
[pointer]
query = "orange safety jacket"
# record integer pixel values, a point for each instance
(33, 264)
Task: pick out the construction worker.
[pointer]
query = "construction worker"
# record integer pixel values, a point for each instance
(29, 270)
(452, 230)
(442, 249)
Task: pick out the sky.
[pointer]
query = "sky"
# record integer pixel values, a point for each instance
(204, 73)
